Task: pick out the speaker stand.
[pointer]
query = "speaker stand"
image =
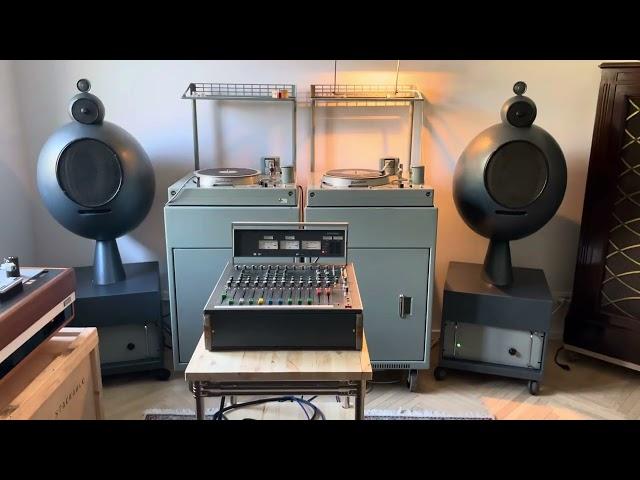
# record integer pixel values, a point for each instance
(107, 264)
(497, 263)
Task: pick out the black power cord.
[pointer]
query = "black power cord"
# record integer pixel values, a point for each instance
(563, 366)
(317, 413)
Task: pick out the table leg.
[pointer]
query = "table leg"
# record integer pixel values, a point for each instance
(362, 390)
(197, 394)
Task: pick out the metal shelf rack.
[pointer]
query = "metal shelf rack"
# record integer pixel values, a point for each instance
(261, 92)
(332, 95)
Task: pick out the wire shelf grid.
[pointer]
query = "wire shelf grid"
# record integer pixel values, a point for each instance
(365, 95)
(240, 91)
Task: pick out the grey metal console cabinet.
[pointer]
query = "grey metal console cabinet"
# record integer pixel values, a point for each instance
(198, 216)
(392, 233)
(198, 235)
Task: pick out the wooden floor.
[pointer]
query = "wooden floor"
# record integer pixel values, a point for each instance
(591, 390)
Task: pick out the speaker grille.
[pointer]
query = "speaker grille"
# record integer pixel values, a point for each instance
(89, 172)
(516, 174)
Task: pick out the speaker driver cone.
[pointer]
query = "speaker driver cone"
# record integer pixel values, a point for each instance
(516, 174)
(89, 172)
(85, 111)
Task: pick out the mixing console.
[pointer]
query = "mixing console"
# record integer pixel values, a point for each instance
(291, 306)
(286, 285)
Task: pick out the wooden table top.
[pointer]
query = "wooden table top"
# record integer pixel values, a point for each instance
(280, 365)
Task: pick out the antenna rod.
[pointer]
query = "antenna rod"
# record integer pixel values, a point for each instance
(335, 75)
(397, 72)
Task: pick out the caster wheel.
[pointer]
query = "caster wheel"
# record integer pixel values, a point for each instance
(440, 373)
(412, 381)
(534, 387)
(163, 374)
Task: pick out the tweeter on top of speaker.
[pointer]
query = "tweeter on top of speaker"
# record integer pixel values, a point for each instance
(86, 108)
(519, 111)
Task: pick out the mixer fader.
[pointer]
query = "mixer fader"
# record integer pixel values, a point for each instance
(263, 302)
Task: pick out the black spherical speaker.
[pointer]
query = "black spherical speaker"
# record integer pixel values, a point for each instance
(96, 180)
(509, 182)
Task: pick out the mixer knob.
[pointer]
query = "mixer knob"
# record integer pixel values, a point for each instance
(251, 301)
(260, 301)
(299, 301)
(241, 301)
(290, 301)
(279, 301)
(270, 302)
(309, 301)
(231, 301)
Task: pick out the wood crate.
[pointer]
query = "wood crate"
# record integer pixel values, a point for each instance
(59, 380)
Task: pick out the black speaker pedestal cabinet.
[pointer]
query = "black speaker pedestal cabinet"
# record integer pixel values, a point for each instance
(604, 317)
(128, 315)
(495, 330)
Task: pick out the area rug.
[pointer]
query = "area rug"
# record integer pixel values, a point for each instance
(401, 414)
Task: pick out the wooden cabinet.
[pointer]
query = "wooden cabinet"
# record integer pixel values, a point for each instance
(59, 380)
(604, 317)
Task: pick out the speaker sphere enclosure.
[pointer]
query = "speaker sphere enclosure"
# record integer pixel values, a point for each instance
(537, 180)
(479, 208)
(119, 188)
(125, 210)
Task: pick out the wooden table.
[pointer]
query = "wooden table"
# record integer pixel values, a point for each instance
(299, 372)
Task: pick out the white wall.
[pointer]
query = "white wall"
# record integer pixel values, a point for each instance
(464, 97)
(16, 226)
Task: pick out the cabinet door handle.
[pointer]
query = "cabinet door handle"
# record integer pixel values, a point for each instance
(404, 305)
(146, 337)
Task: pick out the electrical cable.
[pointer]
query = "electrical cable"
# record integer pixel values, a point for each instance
(564, 366)
(303, 409)
(218, 415)
(181, 187)
(316, 411)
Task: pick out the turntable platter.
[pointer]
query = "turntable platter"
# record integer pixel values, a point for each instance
(355, 177)
(212, 177)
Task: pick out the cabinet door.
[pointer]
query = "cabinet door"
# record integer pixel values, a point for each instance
(604, 316)
(196, 273)
(383, 275)
(129, 343)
